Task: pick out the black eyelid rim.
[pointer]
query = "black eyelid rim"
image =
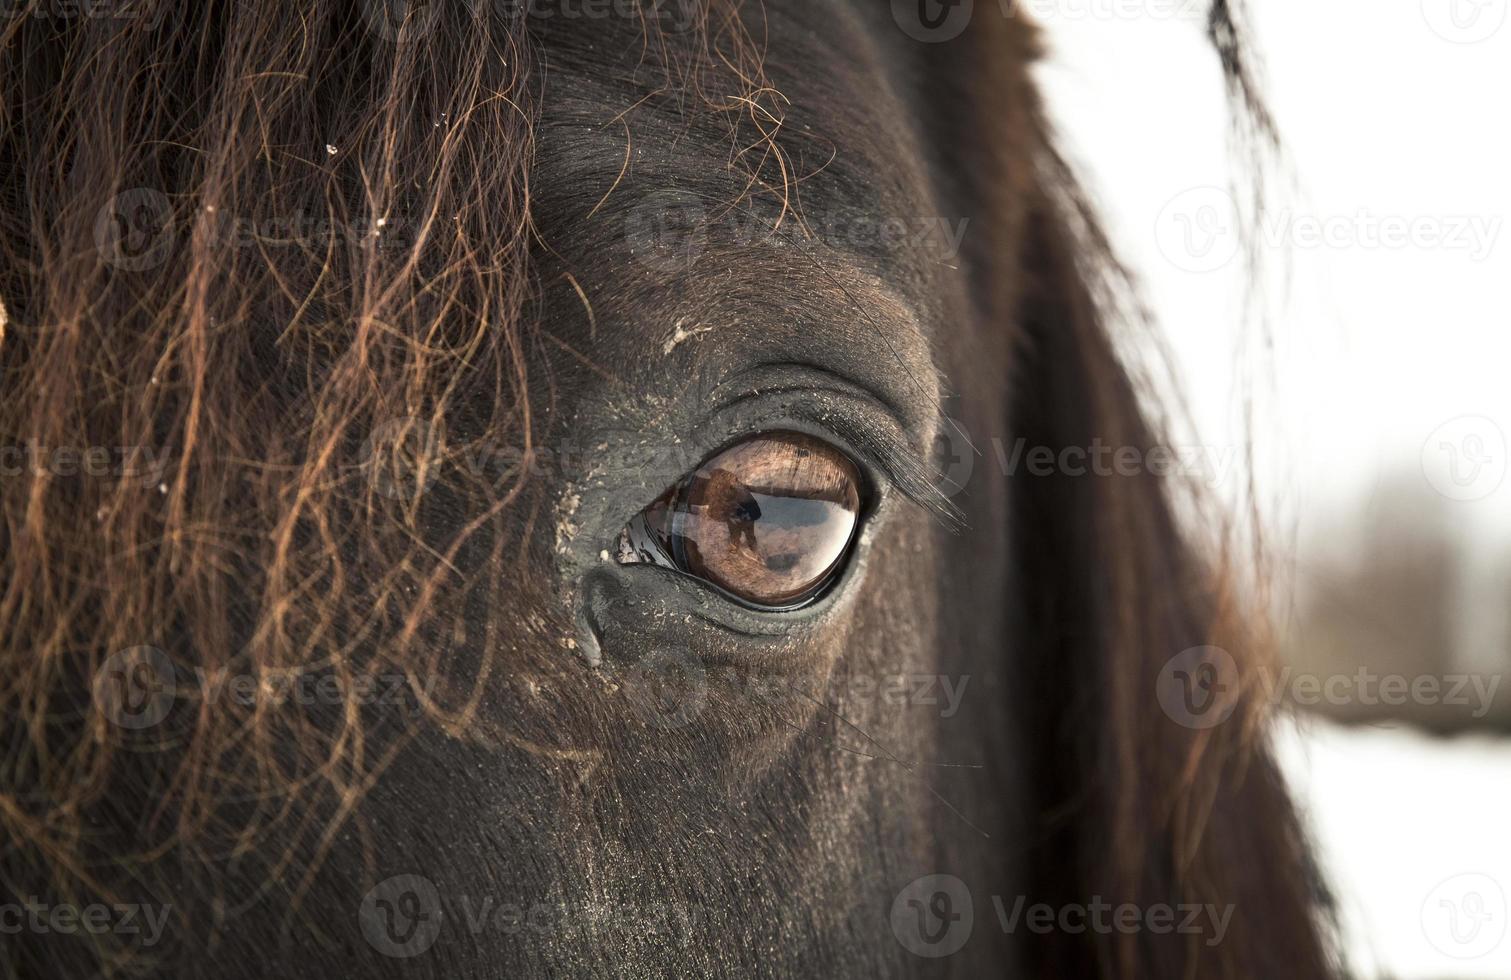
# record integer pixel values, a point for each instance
(907, 467)
(858, 422)
(677, 555)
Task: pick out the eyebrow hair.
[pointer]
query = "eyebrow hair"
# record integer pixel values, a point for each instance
(861, 280)
(934, 398)
(858, 259)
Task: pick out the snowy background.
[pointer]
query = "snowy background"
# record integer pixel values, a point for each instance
(1383, 398)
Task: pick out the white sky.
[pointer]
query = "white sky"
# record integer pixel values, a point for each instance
(1376, 344)
(1394, 114)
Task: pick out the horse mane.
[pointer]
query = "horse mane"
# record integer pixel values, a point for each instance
(1146, 808)
(1114, 577)
(237, 240)
(237, 392)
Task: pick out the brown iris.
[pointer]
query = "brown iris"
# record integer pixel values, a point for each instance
(768, 520)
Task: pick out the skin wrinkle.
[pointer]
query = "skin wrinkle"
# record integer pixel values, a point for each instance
(515, 329)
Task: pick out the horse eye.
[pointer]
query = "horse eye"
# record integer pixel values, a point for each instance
(768, 520)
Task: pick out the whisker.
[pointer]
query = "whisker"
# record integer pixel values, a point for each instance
(909, 767)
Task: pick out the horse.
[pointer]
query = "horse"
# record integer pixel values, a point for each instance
(509, 488)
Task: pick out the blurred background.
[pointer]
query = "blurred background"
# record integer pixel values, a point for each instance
(1355, 365)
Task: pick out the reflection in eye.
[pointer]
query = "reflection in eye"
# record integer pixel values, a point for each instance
(768, 520)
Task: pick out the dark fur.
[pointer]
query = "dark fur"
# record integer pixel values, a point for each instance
(770, 832)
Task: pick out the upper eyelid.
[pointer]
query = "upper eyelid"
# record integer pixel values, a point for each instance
(908, 471)
(896, 454)
(820, 402)
(804, 374)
